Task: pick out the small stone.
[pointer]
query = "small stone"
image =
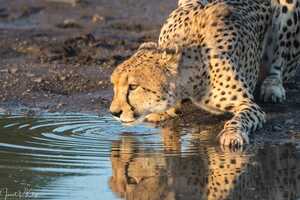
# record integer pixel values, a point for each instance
(4, 71)
(276, 128)
(97, 18)
(290, 121)
(69, 23)
(72, 2)
(62, 78)
(60, 105)
(38, 80)
(29, 75)
(13, 70)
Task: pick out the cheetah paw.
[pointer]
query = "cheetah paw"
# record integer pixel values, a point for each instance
(233, 138)
(272, 91)
(156, 117)
(163, 116)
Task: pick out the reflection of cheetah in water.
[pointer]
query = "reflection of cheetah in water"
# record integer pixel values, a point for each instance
(212, 55)
(271, 173)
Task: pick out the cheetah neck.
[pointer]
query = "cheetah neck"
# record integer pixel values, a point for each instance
(190, 82)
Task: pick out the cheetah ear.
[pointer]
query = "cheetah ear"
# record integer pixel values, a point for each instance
(172, 58)
(148, 45)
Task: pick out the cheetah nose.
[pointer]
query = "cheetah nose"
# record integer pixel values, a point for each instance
(116, 114)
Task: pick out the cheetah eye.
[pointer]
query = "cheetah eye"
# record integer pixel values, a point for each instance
(133, 87)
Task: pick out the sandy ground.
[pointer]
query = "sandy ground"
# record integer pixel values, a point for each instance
(59, 56)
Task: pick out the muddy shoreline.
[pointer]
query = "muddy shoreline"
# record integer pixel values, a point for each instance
(57, 56)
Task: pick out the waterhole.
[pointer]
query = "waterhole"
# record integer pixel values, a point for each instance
(83, 156)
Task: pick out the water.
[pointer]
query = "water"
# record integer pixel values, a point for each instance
(81, 156)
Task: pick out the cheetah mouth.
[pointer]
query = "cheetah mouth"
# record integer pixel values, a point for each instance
(137, 120)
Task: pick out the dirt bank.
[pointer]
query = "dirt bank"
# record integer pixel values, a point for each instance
(58, 56)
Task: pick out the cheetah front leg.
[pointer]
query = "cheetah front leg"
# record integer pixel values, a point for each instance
(285, 46)
(231, 93)
(248, 116)
(162, 116)
(272, 89)
(168, 114)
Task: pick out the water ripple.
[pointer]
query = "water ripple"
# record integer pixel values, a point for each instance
(61, 145)
(82, 156)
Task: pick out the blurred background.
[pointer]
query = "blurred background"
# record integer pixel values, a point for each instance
(58, 51)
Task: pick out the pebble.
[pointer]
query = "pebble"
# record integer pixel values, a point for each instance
(62, 78)
(29, 74)
(69, 23)
(13, 70)
(38, 80)
(4, 71)
(289, 121)
(72, 2)
(60, 105)
(97, 18)
(276, 128)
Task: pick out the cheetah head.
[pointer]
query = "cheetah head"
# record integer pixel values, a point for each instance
(145, 83)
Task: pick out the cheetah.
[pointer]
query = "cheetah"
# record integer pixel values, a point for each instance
(212, 53)
(205, 172)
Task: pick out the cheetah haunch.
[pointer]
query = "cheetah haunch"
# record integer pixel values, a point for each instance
(211, 53)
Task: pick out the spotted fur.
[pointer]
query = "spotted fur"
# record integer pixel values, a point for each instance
(205, 173)
(211, 52)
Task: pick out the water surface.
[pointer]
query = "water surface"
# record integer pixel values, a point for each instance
(81, 156)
